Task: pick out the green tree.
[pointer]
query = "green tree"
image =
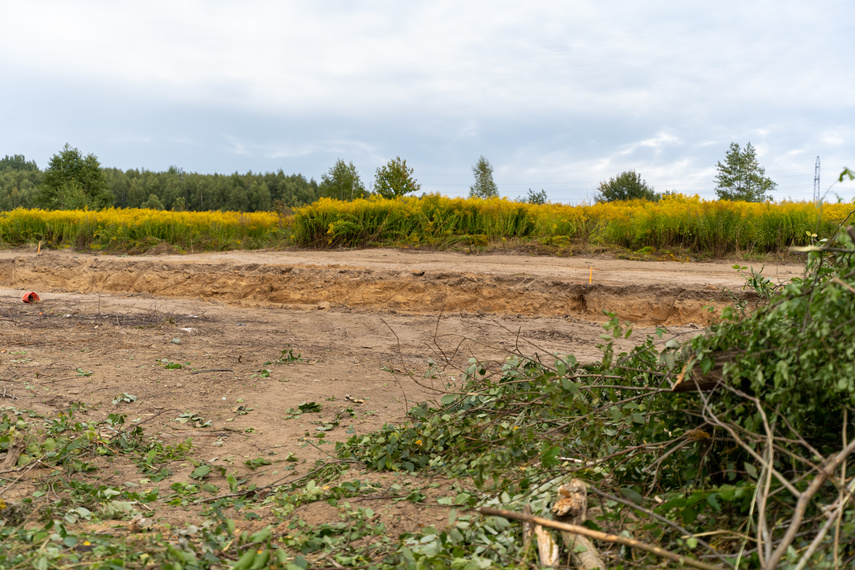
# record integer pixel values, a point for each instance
(17, 162)
(73, 181)
(484, 186)
(342, 182)
(535, 197)
(627, 185)
(741, 177)
(395, 179)
(153, 203)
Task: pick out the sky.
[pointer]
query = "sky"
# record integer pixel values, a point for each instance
(558, 96)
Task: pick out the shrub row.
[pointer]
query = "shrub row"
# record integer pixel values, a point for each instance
(132, 229)
(705, 227)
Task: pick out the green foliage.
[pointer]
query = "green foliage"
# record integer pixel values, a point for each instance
(787, 353)
(532, 415)
(74, 182)
(309, 407)
(137, 230)
(785, 390)
(710, 228)
(342, 182)
(741, 177)
(395, 179)
(288, 356)
(627, 185)
(484, 187)
(153, 203)
(535, 197)
(21, 181)
(18, 163)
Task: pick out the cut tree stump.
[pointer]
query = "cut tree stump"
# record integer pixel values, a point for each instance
(571, 507)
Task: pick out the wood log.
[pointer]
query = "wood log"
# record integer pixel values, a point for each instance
(547, 548)
(691, 379)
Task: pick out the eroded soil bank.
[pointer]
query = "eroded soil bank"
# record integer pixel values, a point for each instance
(407, 282)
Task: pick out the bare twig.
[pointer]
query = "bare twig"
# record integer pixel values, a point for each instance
(851, 232)
(835, 517)
(403, 366)
(763, 532)
(826, 471)
(714, 420)
(844, 284)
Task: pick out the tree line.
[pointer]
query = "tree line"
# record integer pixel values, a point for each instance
(73, 181)
(76, 181)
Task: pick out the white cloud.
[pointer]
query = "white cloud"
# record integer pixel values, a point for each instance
(558, 94)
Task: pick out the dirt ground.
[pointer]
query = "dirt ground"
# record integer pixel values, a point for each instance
(112, 331)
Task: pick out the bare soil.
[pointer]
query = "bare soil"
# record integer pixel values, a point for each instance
(365, 324)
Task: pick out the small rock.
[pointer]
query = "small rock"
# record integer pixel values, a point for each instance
(323, 305)
(175, 341)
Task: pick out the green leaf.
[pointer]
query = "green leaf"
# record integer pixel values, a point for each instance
(571, 387)
(751, 470)
(549, 456)
(712, 500)
(299, 563)
(201, 472)
(261, 536)
(245, 561)
(632, 495)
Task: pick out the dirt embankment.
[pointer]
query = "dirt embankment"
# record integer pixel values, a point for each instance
(406, 282)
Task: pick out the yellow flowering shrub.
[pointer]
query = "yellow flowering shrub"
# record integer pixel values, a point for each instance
(710, 227)
(706, 227)
(131, 228)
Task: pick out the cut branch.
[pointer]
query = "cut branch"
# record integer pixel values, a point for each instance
(662, 553)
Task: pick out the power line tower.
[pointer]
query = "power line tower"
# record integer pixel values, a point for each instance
(816, 183)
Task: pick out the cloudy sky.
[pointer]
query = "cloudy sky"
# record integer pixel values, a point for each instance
(557, 95)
